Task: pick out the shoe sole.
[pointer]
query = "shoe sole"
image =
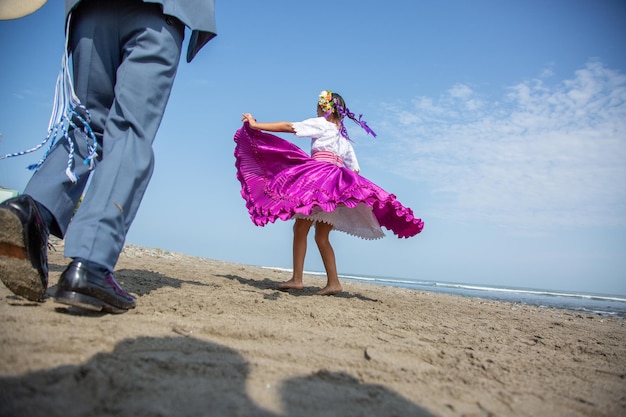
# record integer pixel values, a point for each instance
(16, 271)
(86, 302)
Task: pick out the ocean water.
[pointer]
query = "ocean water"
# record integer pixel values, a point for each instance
(588, 303)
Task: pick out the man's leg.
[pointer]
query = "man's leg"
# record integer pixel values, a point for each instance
(149, 46)
(130, 51)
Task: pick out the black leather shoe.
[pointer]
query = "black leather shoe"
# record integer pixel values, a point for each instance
(84, 287)
(23, 248)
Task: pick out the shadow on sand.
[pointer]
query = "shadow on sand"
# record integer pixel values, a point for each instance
(305, 292)
(180, 376)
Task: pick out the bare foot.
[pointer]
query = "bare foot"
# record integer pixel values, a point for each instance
(290, 285)
(330, 290)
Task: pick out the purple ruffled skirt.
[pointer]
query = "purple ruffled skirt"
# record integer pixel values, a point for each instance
(281, 181)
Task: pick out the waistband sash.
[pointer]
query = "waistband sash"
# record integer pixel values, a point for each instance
(328, 156)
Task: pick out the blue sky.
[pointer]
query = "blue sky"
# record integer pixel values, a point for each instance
(501, 124)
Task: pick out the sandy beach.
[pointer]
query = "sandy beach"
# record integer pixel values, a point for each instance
(210, 338)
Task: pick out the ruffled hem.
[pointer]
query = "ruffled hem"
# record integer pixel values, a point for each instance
(279, 180)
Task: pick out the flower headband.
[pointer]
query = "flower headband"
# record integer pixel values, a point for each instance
(328, 105)
(325, 101)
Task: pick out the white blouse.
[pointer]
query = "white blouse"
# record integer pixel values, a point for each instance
(325, 136)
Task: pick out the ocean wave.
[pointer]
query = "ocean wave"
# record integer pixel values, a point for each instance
(582, 302)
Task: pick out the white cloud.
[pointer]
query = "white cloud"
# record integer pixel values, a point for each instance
(540, 156)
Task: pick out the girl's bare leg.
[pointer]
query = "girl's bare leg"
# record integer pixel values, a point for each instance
(322, 232)
(301, 229)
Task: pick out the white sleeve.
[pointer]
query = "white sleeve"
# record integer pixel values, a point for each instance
(309, 128)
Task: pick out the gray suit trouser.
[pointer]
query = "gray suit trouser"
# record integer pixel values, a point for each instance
(125, 56)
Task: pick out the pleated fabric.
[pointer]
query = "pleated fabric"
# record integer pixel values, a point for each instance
(281, 181)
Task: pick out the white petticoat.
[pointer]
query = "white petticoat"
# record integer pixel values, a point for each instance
(358, 221)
